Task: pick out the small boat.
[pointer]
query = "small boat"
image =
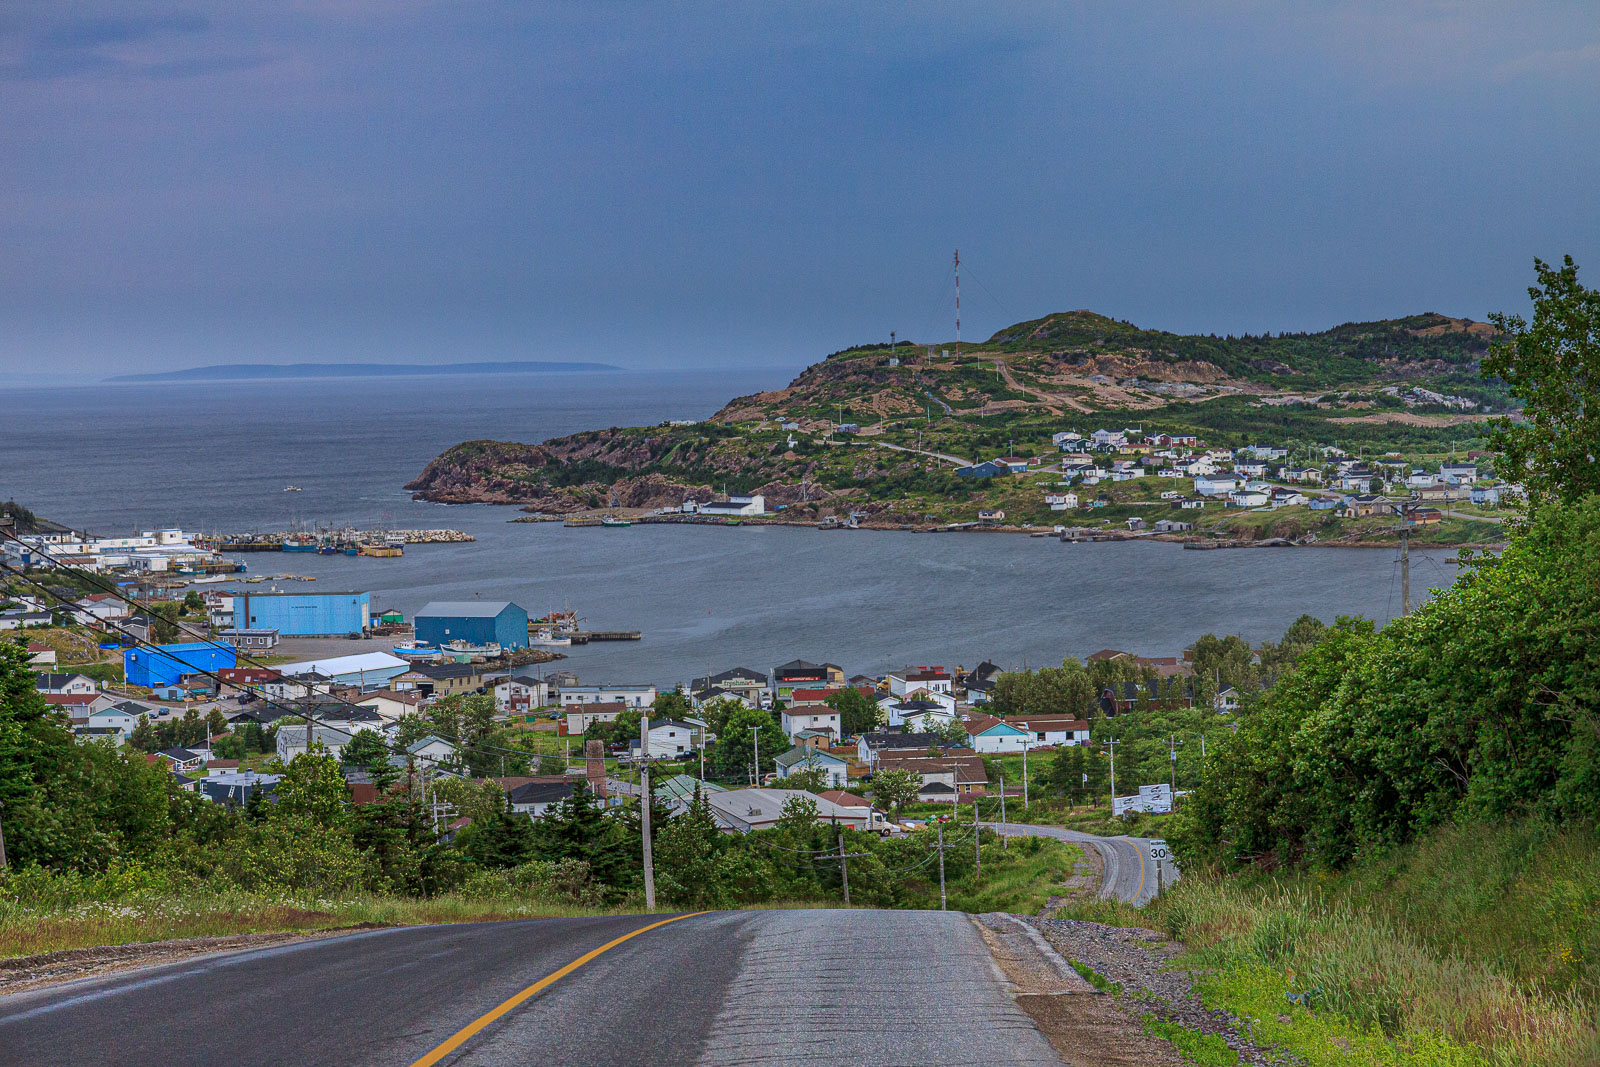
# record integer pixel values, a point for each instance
(291, 489)
(299, 543)
(548, 637)
(417, 652)
(352, 550)
(612, 520)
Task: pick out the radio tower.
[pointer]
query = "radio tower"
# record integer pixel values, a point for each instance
(958, 306)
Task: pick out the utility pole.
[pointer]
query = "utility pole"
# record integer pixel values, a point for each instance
(1111, 746)
(2, 840)
(977, 843)
(1405, 568)
(1172, 746)
(755, 734)
(941, 868)
(644, 813)
(1005, 839)
(1024, 774)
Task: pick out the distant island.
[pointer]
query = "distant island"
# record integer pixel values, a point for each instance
(234, 372)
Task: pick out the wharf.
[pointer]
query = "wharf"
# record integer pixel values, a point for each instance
(273, 542)
(584, 637)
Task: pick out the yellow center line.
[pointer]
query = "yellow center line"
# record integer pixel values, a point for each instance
(465, 1034)
(1140, 892)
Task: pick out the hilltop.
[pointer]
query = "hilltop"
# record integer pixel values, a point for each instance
(878, 431)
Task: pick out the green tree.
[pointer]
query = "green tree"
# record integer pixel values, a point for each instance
(164, 622)
(365, 748)
(1553, 365)
(734, 754)
(671, 705)
(143, 737)
(313, 789)
(193, 603)
(216, 723)
(689, 850)
(813, 779)
(894, 789)
(858, 713)
(503, 839)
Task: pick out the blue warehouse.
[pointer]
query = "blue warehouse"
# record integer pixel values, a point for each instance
(303, 614)
(159, 665)
(477, 622)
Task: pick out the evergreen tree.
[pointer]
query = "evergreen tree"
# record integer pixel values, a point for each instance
(505, 839)
(689, 850)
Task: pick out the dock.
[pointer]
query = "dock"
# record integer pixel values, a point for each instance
(584, 637)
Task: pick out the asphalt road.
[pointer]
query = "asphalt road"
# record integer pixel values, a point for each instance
(1130, 874)
(727, 988)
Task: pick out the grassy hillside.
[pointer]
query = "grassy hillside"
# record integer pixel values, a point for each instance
(1477, 944)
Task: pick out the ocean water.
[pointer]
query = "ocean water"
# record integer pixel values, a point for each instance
(217, 457)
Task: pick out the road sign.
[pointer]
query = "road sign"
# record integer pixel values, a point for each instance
(1158, 850)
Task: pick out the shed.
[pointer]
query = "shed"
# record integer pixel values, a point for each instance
(303, 614)
(477, 622)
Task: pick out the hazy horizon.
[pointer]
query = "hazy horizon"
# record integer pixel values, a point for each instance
(742, 184)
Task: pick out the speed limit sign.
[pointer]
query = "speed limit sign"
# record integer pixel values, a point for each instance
(1158, 850)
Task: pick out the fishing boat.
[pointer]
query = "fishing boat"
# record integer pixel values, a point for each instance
(417, 652)
(291, 489)
(612, 520)
(300, 542)
(548, 637)
(375, 548)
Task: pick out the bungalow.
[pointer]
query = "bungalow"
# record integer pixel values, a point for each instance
(926, 719)
(811, 717)
(235, 789)
(260, 638)
(232, 681)
(1323, 503)
(1227, 700)
(850, 802)
(1485, 495)
(1217, 484)
(962, 773)
(1421, 480)
(991, 516)
(1282, 498)
(1365, 506)
(989, 734)
(987, 469)
(536, 796)
(630, 695)
(41, 655)
(1300, 475)
(1066, 440)
(669, 739)
(1061, 501)
(65, 684)
(78, 706)
(1053, 729)
(1173, 526)
(1167, 440)
(292, 740)
(875, 746)
(804, 758)
(1014, 464)
(1190, 503)
(1442, 494)
(582, 716)
(1458, 473)
(98, 607)
(182, 759)
(1356, 480)
(1127, 474)
(17, 620)
(743, 810)
(1251, 469)
(1247, 498)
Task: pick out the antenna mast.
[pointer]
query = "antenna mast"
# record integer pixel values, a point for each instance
(958, 305)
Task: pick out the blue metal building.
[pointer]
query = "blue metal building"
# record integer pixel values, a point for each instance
(303, 614)
(159, 665)
(477, 622)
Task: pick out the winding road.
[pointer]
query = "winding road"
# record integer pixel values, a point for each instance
(727, 988)
(1130, 874)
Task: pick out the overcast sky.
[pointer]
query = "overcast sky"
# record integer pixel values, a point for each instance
(700, 183)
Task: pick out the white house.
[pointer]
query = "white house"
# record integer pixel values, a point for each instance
(811, 717)
(1217, 484)
(933, 679)
(122, 717)
(804, 757)
(925, 720)
(582, 716)
(535, 798)
(391, 705)
(99, 607)
(292, 740)
(1061, 501)
(1248, 498)
(1287, 498)
(520, 693)
(430, 749)
(630, 695)
(1053, 729)
(669, 738)
(65, 684)
(1458, 473)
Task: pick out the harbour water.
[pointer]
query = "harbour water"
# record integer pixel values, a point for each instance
(218, 457)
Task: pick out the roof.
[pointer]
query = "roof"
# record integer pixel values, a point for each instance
(541, 792)
(464, 609)
(69, 699)
(439, 671)
(364, 661)
(605, 707)
(761, 807)
(51, 680)
(935, 787)
(844, 800)
(1048, 722)
(423, 742)
(901, 741)
(389, 694)
(183, 755)
(801, 754)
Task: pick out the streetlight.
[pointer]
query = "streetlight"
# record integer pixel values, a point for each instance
(755, 737)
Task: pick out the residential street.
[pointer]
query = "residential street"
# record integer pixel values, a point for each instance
(779, 987)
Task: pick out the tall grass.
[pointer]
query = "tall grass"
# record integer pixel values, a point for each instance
(1480, 944)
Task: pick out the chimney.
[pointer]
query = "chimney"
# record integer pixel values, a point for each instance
(594, 761)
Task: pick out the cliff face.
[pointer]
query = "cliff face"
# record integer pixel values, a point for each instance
(485, 472)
